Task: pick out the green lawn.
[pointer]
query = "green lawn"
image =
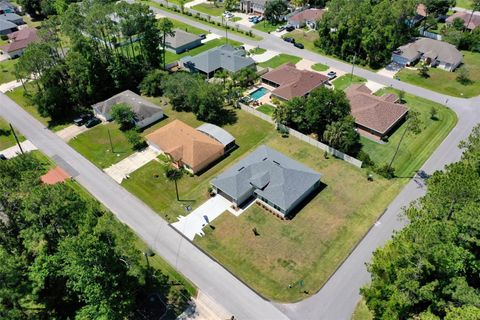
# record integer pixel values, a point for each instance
(267, 109)
(186, 27)
(94, 145)
(307, 38)
(159, 193)
(210, 8)
(343, 82)
(280, 59)
(319, 67)
(311, 245)
(171, 57)
(361, 312)
(235, 19)
(467, 4)
(25, 102)
(266, 26)
(415, 149)
(7, 70)
(445, 82)
(7, 139)
(257, 50)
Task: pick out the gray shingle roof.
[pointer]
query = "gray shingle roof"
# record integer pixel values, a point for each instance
(142, 108)
(12, 17)
(225, 57)
(435, 49)
(7, 25)
(216, 133)
(271, 175)
(180, 39)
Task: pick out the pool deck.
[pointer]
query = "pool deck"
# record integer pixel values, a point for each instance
(265, 99)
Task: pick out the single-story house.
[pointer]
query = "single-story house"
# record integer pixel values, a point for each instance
(307, 17)
(182, 41)
(374, 116)
(289, 82)
(187, 147)
(253, 6)
(470, 22)
(7, 27)
(224, 57)
(18, 42)
(273, 179)
(219, 134)
(145, 111)
(12, 17)
(432, 52)
(7, 7)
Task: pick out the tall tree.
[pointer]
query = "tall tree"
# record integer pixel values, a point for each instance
(174, 175)
(166, 28)
(275, 10)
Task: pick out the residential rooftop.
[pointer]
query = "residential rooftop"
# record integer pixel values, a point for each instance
(180, 38)
(434, 49)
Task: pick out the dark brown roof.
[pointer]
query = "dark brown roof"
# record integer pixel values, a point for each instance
(376, 113)
(471, 22)
(20, 39)
(293, 82)
(422, 10)
(309, 14)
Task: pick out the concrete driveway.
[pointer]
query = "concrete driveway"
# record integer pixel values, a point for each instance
(14, 151)
(71, 132)
(122, 169)
(193, 224)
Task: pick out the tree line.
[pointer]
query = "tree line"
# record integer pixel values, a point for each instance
(429, 270)
(64, 257)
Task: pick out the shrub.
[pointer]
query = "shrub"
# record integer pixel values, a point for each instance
(386, 171)
(4, 37)
(135, 139)
(367, 162)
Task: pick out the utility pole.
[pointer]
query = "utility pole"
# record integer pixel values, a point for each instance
(110, 138)
(16, 139)
(353, 67)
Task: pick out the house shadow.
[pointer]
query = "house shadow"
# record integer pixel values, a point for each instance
(214, 163)
(306, 201)
(164, 118)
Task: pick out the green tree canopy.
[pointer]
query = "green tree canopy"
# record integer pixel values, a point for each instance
(123, 115)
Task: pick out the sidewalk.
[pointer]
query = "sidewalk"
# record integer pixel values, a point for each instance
(204, 308)
(14, 151)
(5, 87)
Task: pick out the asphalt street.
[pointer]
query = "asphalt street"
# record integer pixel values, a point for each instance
(337, 299)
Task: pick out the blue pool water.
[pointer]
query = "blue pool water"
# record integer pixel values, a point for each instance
(260, 92)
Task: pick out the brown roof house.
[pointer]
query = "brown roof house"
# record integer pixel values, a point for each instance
(470, 22)
(308, 17)
(18, 41)
(186, 146)
(289, 82)
(374, 116)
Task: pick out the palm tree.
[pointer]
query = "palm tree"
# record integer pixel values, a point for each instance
(222, 74)
(166, 28)
(174, 174)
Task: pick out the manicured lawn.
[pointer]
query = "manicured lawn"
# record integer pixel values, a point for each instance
(307, 38)
(280, 59)
(186, 27)
(445, 82)
(267, 109)
(7, 139)
(235, 19)
(159, 193)
(311, 245)
(257, 50)
(467, 4)
(266, 26)
(171, 57)
(343, 82)
(319, 67)
(26, 103)
(211, 8)
(94, 145)
(415, 149)
(362, 312)
(7, 70)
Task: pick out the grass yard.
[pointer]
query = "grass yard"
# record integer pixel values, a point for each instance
(210, 8)
(467, 4)
(266, 26)
(445, 82)
(235, 19)
(343, 82)
(257, 50)
(94, 145)
(159, 193)
(361, 312)
(172, 57)
(415, 149)
(311, 245)
(319, 67)
(267, 109)
(26, 103)
(7, 139)
(280, 59)
(7, 70)
(307, 38)
(186, 27)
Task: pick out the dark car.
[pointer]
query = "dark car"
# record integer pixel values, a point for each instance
(288, 39)
(298, 45)
(331, 75)
(82, 119)
(92, 122)
(2, 157)
(202, 36)
(289, 28)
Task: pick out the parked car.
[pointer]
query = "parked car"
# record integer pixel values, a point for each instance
(331, 75)
(82, 119)
(298, 45)
(260, 18)
(288, 39)
(202, 36)
(255, 20)
(2, 157)
(92, 122)
(289, 28)
(280, 29)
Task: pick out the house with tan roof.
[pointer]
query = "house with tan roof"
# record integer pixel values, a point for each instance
(470, 21)
(432, 52)
(289, 82)
(307, 17)
(188, 147)
(18, 42)
(374, 116)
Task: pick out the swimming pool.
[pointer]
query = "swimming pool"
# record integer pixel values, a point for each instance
(257, 94)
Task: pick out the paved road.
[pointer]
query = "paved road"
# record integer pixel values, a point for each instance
(209, 276)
